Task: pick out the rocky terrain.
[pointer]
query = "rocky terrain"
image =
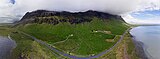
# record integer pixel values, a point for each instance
(54, 17)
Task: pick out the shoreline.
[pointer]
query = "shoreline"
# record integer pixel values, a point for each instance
(140, 48)
(7, 47)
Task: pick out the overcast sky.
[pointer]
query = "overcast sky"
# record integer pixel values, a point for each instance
(133, 11)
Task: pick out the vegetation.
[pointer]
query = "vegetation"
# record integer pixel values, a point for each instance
(55, 17)
(80, 34)
(27, 48)
(4, 30)
(78, 38)
(124, 50)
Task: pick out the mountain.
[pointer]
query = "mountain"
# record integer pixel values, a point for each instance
(80, 34)
(54, 17)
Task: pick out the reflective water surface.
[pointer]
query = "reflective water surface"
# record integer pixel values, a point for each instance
(150, 37)
(6, 46)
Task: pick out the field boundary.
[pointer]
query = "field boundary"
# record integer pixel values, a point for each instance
(72, 56)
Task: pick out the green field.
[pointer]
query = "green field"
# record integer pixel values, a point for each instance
(4, 30)
(29, 49)
(124, 49)
(78, 39)
(26, 47)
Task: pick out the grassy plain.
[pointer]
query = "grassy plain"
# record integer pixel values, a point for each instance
(78, 39)
(124, 50)
(26, 47)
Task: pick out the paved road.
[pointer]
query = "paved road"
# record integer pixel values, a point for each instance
(6, 46)
(76, 57)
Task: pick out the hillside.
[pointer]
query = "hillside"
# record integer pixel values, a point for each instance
(55, 17)
(80, 34)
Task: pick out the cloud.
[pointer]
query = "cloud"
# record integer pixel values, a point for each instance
(149, 5)
(148, 12)
(135, 20)
(5, 11)
(20, 7)
(109, 6)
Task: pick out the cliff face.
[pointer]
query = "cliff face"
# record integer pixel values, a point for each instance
(54, 17)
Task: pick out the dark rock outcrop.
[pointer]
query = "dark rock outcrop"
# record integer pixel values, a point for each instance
(54, 17)
(140, 49)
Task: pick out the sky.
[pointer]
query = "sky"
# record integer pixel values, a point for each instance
(133, 11)
(143, 17)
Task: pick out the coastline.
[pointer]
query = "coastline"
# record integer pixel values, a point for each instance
(140, 48)
(7, 46)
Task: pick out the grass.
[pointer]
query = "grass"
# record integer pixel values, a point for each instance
(4, 31)
(29, 49)
(119, 52)
(83, 42)
(26, 47)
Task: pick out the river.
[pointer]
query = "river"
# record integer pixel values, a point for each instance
(150, 37)
(6, 46)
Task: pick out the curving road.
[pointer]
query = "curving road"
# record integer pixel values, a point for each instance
(76, 57)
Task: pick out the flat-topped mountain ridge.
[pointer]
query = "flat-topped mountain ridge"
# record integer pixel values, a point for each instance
(54, 17)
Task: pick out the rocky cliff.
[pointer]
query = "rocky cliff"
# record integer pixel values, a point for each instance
(54, 17)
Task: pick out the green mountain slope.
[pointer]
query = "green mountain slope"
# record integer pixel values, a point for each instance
(80, 34)
(88, 29)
